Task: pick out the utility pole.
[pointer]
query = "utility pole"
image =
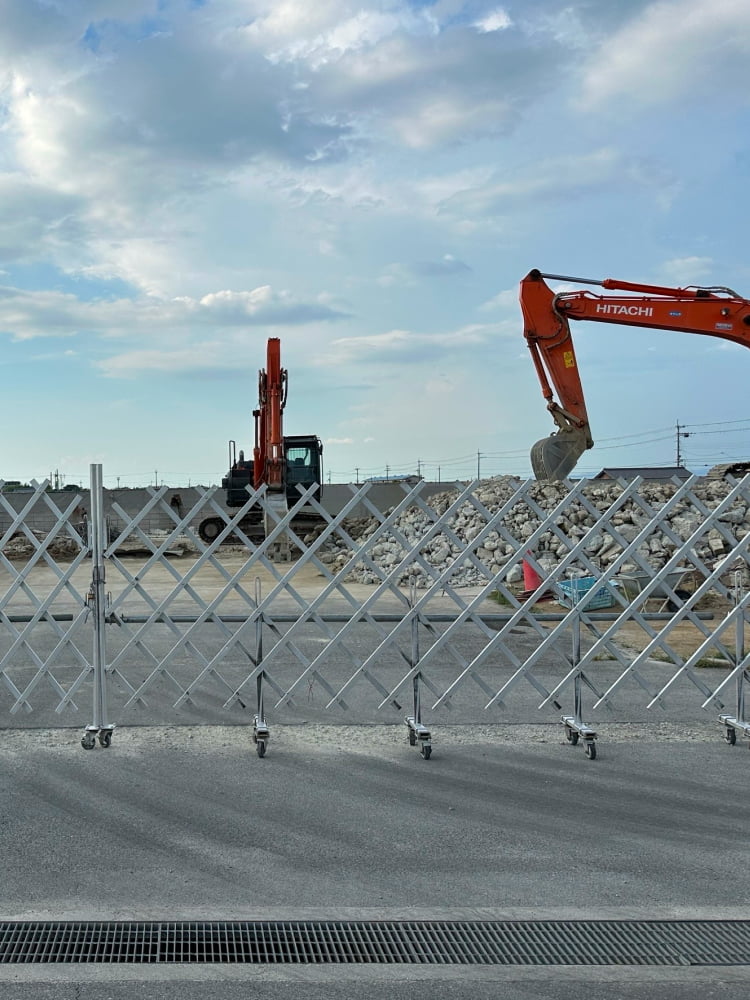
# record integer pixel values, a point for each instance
(387, 472)
(479, 461)
(680, 434)
(357, 472)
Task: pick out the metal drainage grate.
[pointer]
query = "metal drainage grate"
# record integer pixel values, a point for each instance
(502, 942)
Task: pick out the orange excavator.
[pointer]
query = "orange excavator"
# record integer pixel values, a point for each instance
(282, 463)
(713, 312)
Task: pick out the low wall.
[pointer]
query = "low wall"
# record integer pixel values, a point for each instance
(41, 517)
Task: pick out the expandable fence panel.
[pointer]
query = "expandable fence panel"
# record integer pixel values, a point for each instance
(370, 614)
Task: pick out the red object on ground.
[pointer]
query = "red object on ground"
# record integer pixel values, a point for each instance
(531, 579)
(532, 582)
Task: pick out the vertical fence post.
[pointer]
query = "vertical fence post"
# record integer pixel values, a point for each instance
(261, 732)
(738, 721)
(739, 649)
(417, 732)
(100, 725)
(575, 727)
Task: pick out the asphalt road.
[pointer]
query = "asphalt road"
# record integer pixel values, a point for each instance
(188, 823)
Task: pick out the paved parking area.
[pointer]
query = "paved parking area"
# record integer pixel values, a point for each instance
(503, 821)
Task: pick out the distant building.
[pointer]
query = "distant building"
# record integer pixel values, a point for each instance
(410, 480)
(734, 469)
(661, 472)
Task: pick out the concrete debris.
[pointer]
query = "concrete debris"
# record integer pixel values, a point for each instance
(441, 549)
(21, 547)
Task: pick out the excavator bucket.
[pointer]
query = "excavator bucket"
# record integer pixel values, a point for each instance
(554, 457)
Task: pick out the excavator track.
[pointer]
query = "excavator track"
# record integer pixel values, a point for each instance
(253, 529)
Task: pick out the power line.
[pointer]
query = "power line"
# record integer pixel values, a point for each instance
(720, 423)
(702, 433)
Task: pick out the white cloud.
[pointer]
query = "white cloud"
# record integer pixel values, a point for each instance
(495, 20)
(26, 315)
(420, 89)
(197, 358)
(505, 300)
(398, 346)
(673, 48)
(35, 219)
(682, 271)
(320, 33)
(555, 179)
(433, 121)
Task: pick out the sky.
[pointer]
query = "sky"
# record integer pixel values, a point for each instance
(182, 179)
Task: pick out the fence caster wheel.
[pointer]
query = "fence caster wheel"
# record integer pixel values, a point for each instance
(260, 747)
(88, 741)
(105, 738)
(426, 752)
(730, 735)
(571, 735)
(591, 750)
(412, 738)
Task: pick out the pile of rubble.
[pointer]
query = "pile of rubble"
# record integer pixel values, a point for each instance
(504, 547)
(20, 547)
(521, 520)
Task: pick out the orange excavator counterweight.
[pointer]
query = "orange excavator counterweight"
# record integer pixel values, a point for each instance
(713, 312)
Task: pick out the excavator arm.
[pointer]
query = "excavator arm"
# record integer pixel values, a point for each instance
(269, 461)
(713, 312)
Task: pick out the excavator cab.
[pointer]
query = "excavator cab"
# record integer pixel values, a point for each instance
(303, 465)
(554, 457)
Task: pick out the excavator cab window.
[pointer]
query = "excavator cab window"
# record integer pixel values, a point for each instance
(303, 466)
(300, 467)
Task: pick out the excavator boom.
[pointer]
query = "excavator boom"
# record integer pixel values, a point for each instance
(268, 455)
(712, 312)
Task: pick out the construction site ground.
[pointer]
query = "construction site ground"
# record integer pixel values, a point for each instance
(180, 820)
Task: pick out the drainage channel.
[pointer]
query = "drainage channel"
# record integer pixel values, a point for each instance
(511, 942)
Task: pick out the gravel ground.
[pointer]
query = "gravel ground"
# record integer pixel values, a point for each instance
(387, 740)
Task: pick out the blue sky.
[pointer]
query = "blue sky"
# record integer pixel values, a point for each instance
(369, 182)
